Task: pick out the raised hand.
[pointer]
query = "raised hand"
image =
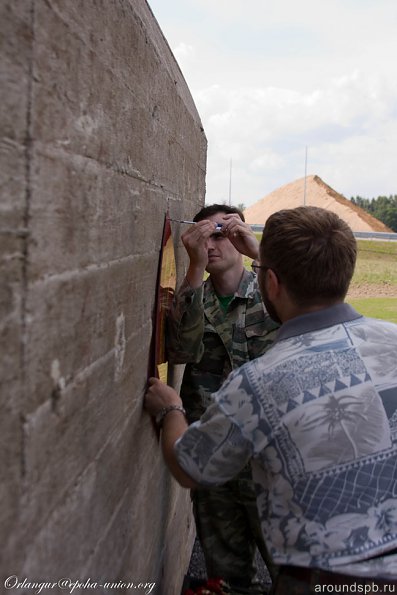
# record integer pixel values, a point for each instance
(240, 235)
(195, 240)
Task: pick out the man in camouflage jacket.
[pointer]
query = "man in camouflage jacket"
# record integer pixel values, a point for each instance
(215, 327)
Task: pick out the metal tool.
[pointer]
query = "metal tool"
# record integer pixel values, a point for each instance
(218, 226)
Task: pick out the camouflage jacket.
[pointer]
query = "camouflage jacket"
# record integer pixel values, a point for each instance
(212, 342)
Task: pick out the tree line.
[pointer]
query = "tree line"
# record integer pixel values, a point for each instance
(383, 208)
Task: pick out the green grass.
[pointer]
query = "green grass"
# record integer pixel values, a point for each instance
(384, 308)
(376, 263)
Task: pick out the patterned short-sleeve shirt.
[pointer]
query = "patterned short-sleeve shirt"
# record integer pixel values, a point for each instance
(317, 417)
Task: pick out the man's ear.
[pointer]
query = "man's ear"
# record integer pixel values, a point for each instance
(273, 285)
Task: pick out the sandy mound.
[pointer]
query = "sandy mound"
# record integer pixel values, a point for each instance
(318, 194)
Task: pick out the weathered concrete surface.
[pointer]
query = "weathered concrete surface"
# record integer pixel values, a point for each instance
(99, 135)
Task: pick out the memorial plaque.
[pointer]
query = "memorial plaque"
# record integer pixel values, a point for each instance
(166, 284)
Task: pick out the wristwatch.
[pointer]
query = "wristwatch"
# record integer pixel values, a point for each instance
(160, 415)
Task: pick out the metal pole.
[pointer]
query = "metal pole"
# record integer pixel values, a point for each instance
(304, 188)
(230, 184)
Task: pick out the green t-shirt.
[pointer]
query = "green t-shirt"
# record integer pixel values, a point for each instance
(224, 301)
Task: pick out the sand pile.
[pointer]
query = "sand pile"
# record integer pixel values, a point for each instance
(318, 194)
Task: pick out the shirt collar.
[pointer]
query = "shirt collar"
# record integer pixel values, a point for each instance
(314, 321)
(247, 284)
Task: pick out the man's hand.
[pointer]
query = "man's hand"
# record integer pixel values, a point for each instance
(195, 240)
(159, 395)
(240, 235)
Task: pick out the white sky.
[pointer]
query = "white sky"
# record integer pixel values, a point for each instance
(271, 77)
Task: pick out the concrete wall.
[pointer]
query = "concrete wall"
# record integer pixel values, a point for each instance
(99, 134)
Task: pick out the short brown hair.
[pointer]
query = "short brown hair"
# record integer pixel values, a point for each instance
(210, 210)
(312, 251)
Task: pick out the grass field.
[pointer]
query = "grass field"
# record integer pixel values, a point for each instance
(376, 263)
(374, 284)
(375, 276)
(385, 308)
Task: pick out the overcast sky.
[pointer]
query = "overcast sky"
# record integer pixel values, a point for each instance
(272, 77)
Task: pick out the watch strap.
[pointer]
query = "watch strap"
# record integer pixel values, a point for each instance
(160, 415)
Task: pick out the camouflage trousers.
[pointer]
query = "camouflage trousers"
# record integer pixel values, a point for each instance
(229, 531)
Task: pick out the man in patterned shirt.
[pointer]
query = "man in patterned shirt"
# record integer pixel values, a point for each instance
(215, 327)
(316, 415)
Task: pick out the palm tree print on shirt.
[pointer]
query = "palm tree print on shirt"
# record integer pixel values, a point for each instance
(346, 427)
